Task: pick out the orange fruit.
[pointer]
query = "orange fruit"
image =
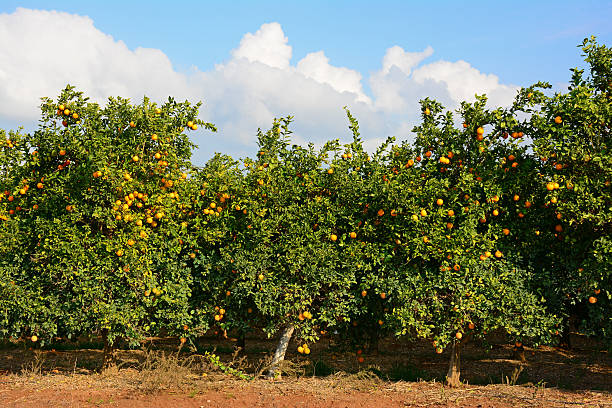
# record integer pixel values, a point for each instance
(353, 235)
(423, 213)
(383, 295)
(439, 201)
(451, 213)
(498, 254)
(364, 293)
(506, 231)
(34, 338)
(471, 326)
(558, 120)
(333, 237)
(592, 300)
(381, 212)
(459, 336)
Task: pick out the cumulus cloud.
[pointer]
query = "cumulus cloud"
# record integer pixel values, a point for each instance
(41, 51)
(316, 66)
(268, 45)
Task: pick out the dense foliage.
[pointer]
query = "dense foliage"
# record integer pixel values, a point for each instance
(106, 226)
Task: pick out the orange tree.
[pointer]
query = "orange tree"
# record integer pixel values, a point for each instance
(567, 241)
(101, 216)
(457, 282)
(15, 306)
(279, 266)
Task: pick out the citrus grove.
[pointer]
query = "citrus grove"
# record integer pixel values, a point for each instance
(491, 220)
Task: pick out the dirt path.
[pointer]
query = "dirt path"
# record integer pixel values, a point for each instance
(83, 391)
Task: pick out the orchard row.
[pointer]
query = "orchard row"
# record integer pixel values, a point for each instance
(500, 223)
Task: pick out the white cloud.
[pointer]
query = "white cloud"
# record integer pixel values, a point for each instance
(463, 81)
(403, 60)
(316, 66)
(41, 51)
(268, 45)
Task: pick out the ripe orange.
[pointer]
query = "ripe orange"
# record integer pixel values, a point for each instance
(518, 344)
(480, 131)
(34, 338)
(498, 254)
(364, 293)
(353, 235)
(333, 237)
(39, 185)
(381, 212)
(451, 213)
(153, 137)
(597, 291)
(439, 201)
(527, 204)
(458, 335)
(423, 213)
(558, 228)
(506, 231)
(495, 212)
(330, 171)
(471, 326)
(428, 153)
(383, 295)
(592, 300)
(558, 120)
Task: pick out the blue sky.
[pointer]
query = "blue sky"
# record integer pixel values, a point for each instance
(489, 46)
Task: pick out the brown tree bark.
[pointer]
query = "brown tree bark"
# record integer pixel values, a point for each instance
(279, 354)
(108, 355)
(454, 368)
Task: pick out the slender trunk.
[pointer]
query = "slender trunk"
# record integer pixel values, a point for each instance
(279, 354)
(241, 344)
(454, 367)
(519, 354)
(108, 354)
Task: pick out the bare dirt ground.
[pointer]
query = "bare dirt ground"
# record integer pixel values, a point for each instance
(399, 374)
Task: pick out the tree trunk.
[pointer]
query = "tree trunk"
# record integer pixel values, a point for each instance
(519, 354)
(108, 356)
(279, 354)
(241, 344)
(454, 368)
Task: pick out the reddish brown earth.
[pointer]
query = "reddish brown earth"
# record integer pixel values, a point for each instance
(296, 393)
(398, 374)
